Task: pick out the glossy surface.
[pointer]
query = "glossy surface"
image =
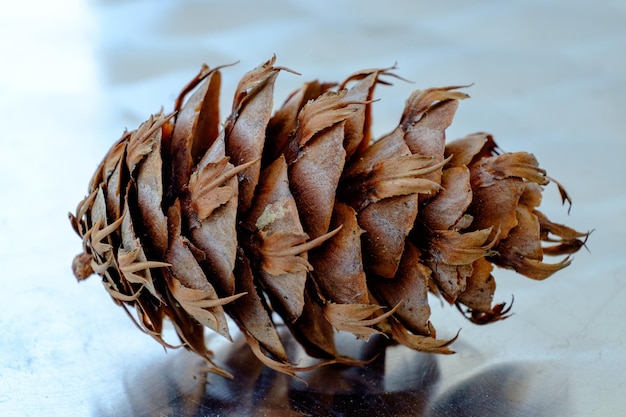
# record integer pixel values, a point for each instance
(398, 382)
(548, 79)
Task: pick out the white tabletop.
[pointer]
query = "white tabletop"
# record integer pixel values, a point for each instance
(549, 77)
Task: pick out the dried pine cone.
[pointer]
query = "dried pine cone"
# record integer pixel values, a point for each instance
(303, 214)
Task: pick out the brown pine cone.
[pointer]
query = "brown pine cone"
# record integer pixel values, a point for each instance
(302, 214)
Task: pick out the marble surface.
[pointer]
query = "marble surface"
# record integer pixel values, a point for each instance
(548, 77)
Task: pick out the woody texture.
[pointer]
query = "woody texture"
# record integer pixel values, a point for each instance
(298, 219)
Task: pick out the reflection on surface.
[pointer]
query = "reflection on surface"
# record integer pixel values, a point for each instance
(398, 382)
(511, 389)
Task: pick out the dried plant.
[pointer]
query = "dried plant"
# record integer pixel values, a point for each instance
(301, 213)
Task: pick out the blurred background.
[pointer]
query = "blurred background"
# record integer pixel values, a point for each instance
(547, 77)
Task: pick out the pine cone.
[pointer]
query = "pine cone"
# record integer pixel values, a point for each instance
(302, 214)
